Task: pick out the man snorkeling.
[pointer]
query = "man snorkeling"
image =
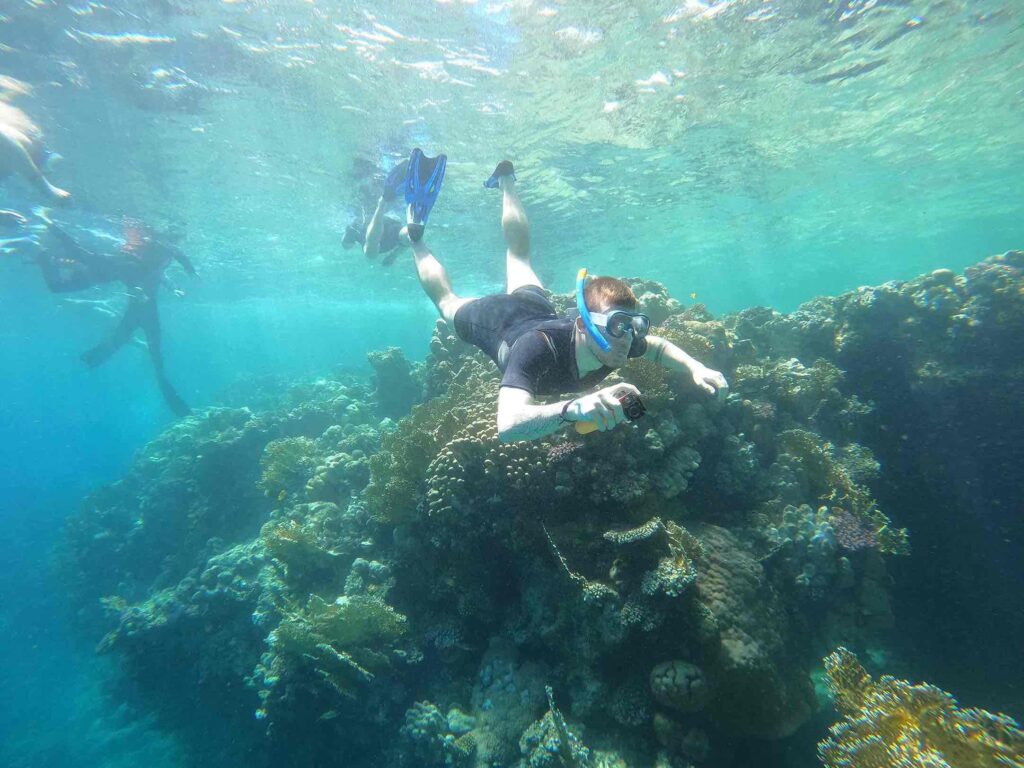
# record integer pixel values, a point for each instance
(542, 354)
(381, 234)
(66, 267)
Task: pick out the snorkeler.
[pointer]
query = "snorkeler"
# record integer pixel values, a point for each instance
(140, 266)
(22, 151)
(381, 233)
(418, 181)
(542, 354)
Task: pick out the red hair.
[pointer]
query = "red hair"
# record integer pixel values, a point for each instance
(603, 293)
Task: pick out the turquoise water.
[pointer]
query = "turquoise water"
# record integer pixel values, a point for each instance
(741, 153)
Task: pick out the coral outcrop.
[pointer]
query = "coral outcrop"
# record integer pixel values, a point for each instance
(890, 722)
(409, 591)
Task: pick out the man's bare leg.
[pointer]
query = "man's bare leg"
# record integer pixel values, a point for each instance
(435, 281)
(371, 243)
(516, 228)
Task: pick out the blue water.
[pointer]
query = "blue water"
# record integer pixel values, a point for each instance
(747, 175)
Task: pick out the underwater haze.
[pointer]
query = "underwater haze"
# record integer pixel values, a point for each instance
(272, 523)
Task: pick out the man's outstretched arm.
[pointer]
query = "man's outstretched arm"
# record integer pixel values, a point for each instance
(520, 417)
(185, 261)
(671, 357)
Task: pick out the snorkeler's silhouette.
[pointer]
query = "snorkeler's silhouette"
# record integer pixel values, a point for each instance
(140, 265)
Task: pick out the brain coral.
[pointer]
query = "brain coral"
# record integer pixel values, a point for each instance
(757, 691)
(679, 685)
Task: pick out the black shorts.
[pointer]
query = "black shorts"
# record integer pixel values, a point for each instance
(488, 321)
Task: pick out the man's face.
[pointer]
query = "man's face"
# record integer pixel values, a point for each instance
(618, 352)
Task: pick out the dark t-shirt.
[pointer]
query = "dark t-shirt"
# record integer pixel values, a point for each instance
(391, 228)
(543, 360)
(532, 346)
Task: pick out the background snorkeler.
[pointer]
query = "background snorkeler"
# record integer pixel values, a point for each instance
(381, 233)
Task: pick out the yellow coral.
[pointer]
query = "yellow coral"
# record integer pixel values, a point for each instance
(287, 464)
(893, 724)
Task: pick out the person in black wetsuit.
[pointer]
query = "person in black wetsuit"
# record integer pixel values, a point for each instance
(542, 354)
(380, 233)
(140, 265)
(380, 238)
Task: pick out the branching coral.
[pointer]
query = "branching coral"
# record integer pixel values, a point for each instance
(549, 742)
(344, 644)
(838, 487)
(891, 723)
(432, 738)
(287, 465)
(301, 549)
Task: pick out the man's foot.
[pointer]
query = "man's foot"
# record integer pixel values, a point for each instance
(414, 232)
(60, 196)
(504, 168)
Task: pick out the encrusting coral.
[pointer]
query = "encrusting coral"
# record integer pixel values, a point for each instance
(891, 723)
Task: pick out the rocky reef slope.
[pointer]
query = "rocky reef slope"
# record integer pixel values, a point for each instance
(359, 573)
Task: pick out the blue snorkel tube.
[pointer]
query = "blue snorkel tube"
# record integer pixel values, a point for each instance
(588, 321)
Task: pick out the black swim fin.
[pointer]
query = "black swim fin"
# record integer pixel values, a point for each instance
(504, 168)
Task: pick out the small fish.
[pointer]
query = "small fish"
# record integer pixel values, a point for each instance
(693, 295)
(282, 495)
(329, 715)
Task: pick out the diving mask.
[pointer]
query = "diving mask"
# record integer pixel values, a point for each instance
(616, 323)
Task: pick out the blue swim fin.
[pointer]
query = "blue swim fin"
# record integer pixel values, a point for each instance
(422, 184)
(395, 182)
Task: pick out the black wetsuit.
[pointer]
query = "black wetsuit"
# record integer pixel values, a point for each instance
(76, 269)
(534, 348)
(389, 239)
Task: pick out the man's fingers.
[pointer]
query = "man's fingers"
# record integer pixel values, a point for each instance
(616, 414)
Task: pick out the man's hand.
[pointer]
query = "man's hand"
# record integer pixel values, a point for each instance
(710, 381)
(601, 408)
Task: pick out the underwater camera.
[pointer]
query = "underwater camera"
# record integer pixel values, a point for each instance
(632, 406)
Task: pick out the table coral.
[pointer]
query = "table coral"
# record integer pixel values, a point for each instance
(891, 723)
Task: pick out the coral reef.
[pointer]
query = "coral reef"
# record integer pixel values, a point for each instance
(891, 722)
(679, 685)
(395, 387)
(351, 580)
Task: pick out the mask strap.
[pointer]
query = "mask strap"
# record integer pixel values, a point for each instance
(588, 321)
